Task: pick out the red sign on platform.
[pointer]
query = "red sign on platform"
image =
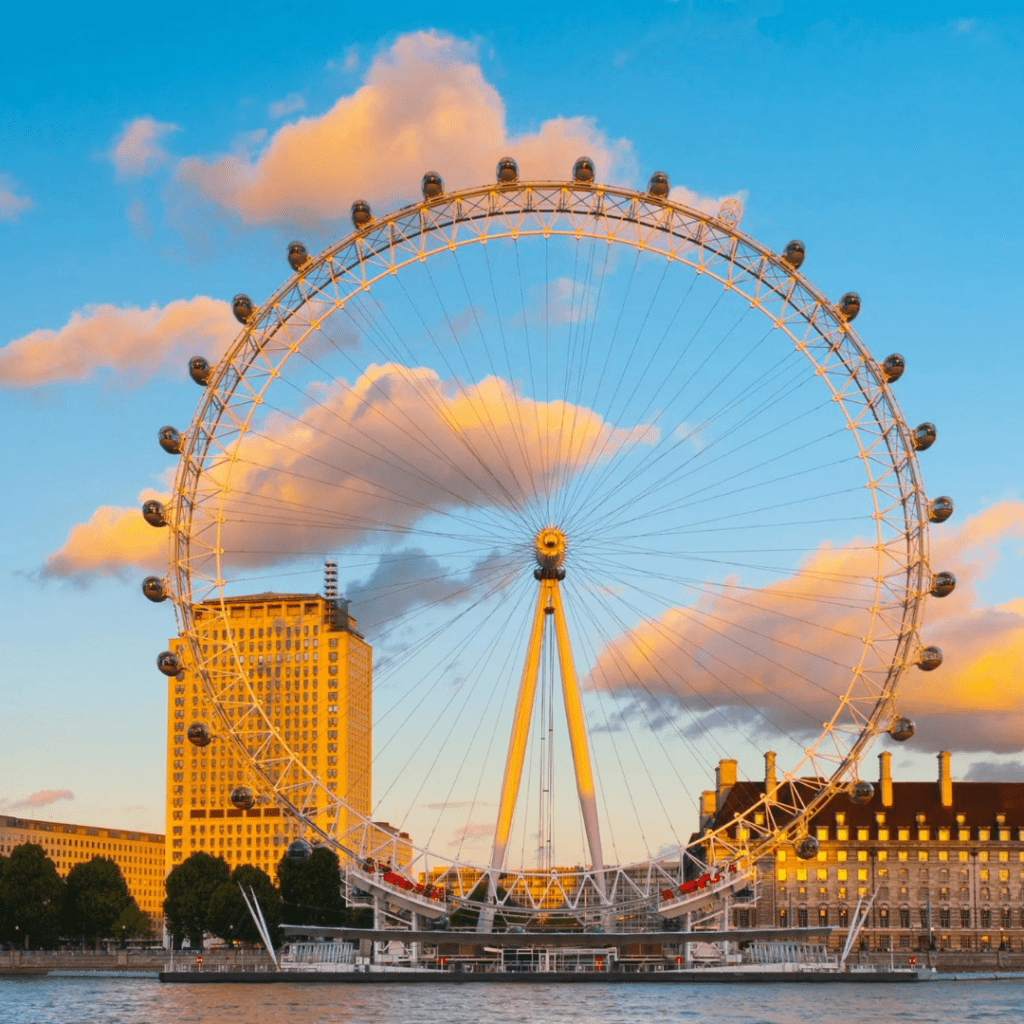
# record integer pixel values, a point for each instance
(199, 959)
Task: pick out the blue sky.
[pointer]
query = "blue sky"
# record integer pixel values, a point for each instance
(887, 139)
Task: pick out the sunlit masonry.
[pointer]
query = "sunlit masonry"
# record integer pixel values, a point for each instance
(560, 438)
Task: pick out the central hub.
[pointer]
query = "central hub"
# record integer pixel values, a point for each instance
(550, 553)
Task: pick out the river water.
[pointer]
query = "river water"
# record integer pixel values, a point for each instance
(41, 1000)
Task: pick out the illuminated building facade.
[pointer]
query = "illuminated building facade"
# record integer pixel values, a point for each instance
(312, 673)
(139, 855)
(943, 860)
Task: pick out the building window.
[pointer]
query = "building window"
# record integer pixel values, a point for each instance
(924, 917)
(883, 917)
(801, 917)
(986, 918)
(904, 917)
(783, 918)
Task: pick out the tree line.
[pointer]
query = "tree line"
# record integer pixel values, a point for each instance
(40, 910)
(203, 897)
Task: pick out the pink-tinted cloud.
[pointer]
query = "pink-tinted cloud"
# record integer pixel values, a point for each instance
(41, 798)
(783, 653)
(133, 344)
(412, 445)
(113, 543)
(137, 150)
(12, 205)
(424, 105)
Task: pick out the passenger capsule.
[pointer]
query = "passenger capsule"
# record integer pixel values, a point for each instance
(893, 367)
(929, 659)
(432, 185)
(658, 185)
(155, 589)
(440, 924)
(807, 848)
(299, 851)
(943, 584)
(199, 370)
(794, 254)
(902, 729)
(199, 735)
(861, 792)
(241, 798)
(361, 214)
(583, 170)
(515, 929)
(169, 663)
(242, 307)
(594, 929)
(170, 440)
(730, 211)
(154, 514)
(940, 510)
(507, 171)
(924, 437)
(849, 305)
(298, 255)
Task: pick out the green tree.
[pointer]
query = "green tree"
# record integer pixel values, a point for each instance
(95, 897)
(189, 888)
(31, 898)
(228, 915)
(132, 923)
(311, 889)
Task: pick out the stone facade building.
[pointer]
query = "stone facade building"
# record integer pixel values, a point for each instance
(943, 860)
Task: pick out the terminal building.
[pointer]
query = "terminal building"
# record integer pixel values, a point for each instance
(311, 671)
(944, 861)
(139, 855)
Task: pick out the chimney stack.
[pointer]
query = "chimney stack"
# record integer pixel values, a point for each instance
(707, 808)
(331, 580)
(885, 777)
(725, 779)
(771, 783)
(945, 782)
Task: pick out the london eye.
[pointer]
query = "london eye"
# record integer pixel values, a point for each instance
(613, 492)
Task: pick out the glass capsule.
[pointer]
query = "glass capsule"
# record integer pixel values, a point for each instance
(241, 798)
(658, 185)
(807, 848)
(298, 851)
(583, 170)
(507, 171)
(242, 307)
(169, 663)
(902, 729)
(298, 255)
(199, 735)
(893, 367)
(432, 185)
(199, 370)
(929, 659)
(730, 211)
(943, 584)
(924, 437)
(794, 253)
(940, 509)
(170, 440)
(849, 305)
(861, 792)
(155, 589)
(154, 513)
(361, 214)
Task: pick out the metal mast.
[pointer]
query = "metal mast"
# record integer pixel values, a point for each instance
(550, 548)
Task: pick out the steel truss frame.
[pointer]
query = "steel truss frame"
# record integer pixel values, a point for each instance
(711, 246)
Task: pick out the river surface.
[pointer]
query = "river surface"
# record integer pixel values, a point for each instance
(41, 1000)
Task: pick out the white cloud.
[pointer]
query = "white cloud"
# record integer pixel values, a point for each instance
(12, 205)
(137, 150)
(282, 108)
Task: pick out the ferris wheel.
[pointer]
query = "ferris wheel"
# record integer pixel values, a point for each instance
(615, 493)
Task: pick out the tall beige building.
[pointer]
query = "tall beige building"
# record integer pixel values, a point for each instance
(312, 674)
